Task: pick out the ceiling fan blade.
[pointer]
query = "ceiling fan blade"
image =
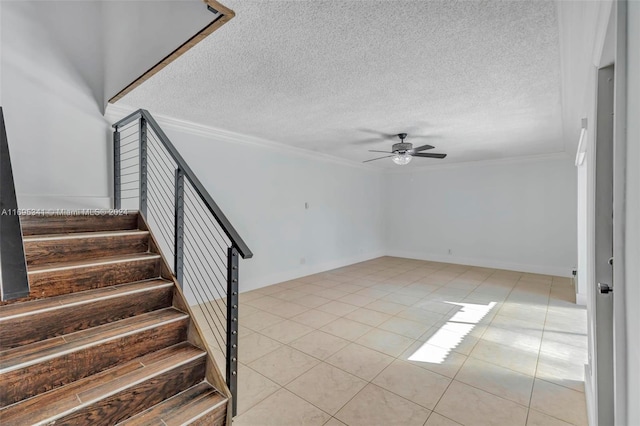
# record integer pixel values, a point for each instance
(379, 158)
(429, 155)
(422, 148)
(384, 152)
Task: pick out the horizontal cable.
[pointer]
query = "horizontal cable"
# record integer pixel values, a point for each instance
(128, 198)
(130, 150)
(207, 249)
(207, 318)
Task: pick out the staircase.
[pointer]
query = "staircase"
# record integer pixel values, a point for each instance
(105, 336)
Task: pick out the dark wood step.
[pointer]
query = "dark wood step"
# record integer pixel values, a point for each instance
(198, 403)
(71, 277)
(52, 363)
(53, 248)
(115, 394)
(28, 322)
(59, 224)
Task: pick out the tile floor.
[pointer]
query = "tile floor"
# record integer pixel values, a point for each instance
(395, 341)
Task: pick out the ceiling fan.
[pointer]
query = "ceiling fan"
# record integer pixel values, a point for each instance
(403, 152)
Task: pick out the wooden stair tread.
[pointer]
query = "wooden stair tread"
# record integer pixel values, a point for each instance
(80, 235)
(52, 223)
(22, 356)
(62, 401)
(184, 407)
(66, 300)
(61, 266)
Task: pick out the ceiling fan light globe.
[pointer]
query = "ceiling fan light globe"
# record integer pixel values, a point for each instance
(401, 159)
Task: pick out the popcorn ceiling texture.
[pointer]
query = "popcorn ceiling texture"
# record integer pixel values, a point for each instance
(482, 77)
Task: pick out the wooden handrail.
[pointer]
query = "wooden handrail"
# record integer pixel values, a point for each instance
(224, 15)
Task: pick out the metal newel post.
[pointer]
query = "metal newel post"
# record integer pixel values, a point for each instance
(117, 195)
(232, 326)
(179, 226)
(143, 166)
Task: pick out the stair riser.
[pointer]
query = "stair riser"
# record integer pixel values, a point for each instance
(86, 248)
(44, 325)
(39, 225)
(65, 281)
(67, 368)
(135, 399)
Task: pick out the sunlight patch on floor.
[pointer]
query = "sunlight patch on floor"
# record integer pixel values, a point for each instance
(448, 337)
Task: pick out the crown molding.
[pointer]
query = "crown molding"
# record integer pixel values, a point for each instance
(116, 112)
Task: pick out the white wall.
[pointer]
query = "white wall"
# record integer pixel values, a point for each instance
(263, 191)
(632, 199)
(138, 34)
(52, 94)
(516, 215)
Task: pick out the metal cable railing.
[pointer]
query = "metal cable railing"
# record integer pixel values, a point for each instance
(191, 230)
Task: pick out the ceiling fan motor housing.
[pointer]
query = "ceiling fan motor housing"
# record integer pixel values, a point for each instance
(402, 147)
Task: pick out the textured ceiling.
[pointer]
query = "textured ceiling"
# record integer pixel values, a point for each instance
(482, 78)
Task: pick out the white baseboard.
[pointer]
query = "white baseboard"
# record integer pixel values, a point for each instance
(485, 263)
(66, 202)
(588, 394)
(263, 281)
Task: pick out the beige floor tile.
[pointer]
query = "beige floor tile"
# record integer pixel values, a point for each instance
(517, 359)
(367, 316)
(334, 422)
(312, 300)
(284, 364)
(422, 316)
(326, 387)
(372, 292)
(404, 327)
(357, 299)
(314, 318)
(288, 294)
(433, 358)
(474, 407)
(436, 419)
(346, 328)
(386, 307)
(319, 344)
(332, 293)
(386, 342)
(499, 381)
(259, 320)
(559, 402)
(264, 303)
(337, 308)
(440, 307)
(249, 295)
(360, 361)
(255, 346)
(288, 309)
(413, 383)
(292, 411)
(374, 406)
(514, 339)
(402, 298)
(286, 331)
(537, 418)
(253, 387)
